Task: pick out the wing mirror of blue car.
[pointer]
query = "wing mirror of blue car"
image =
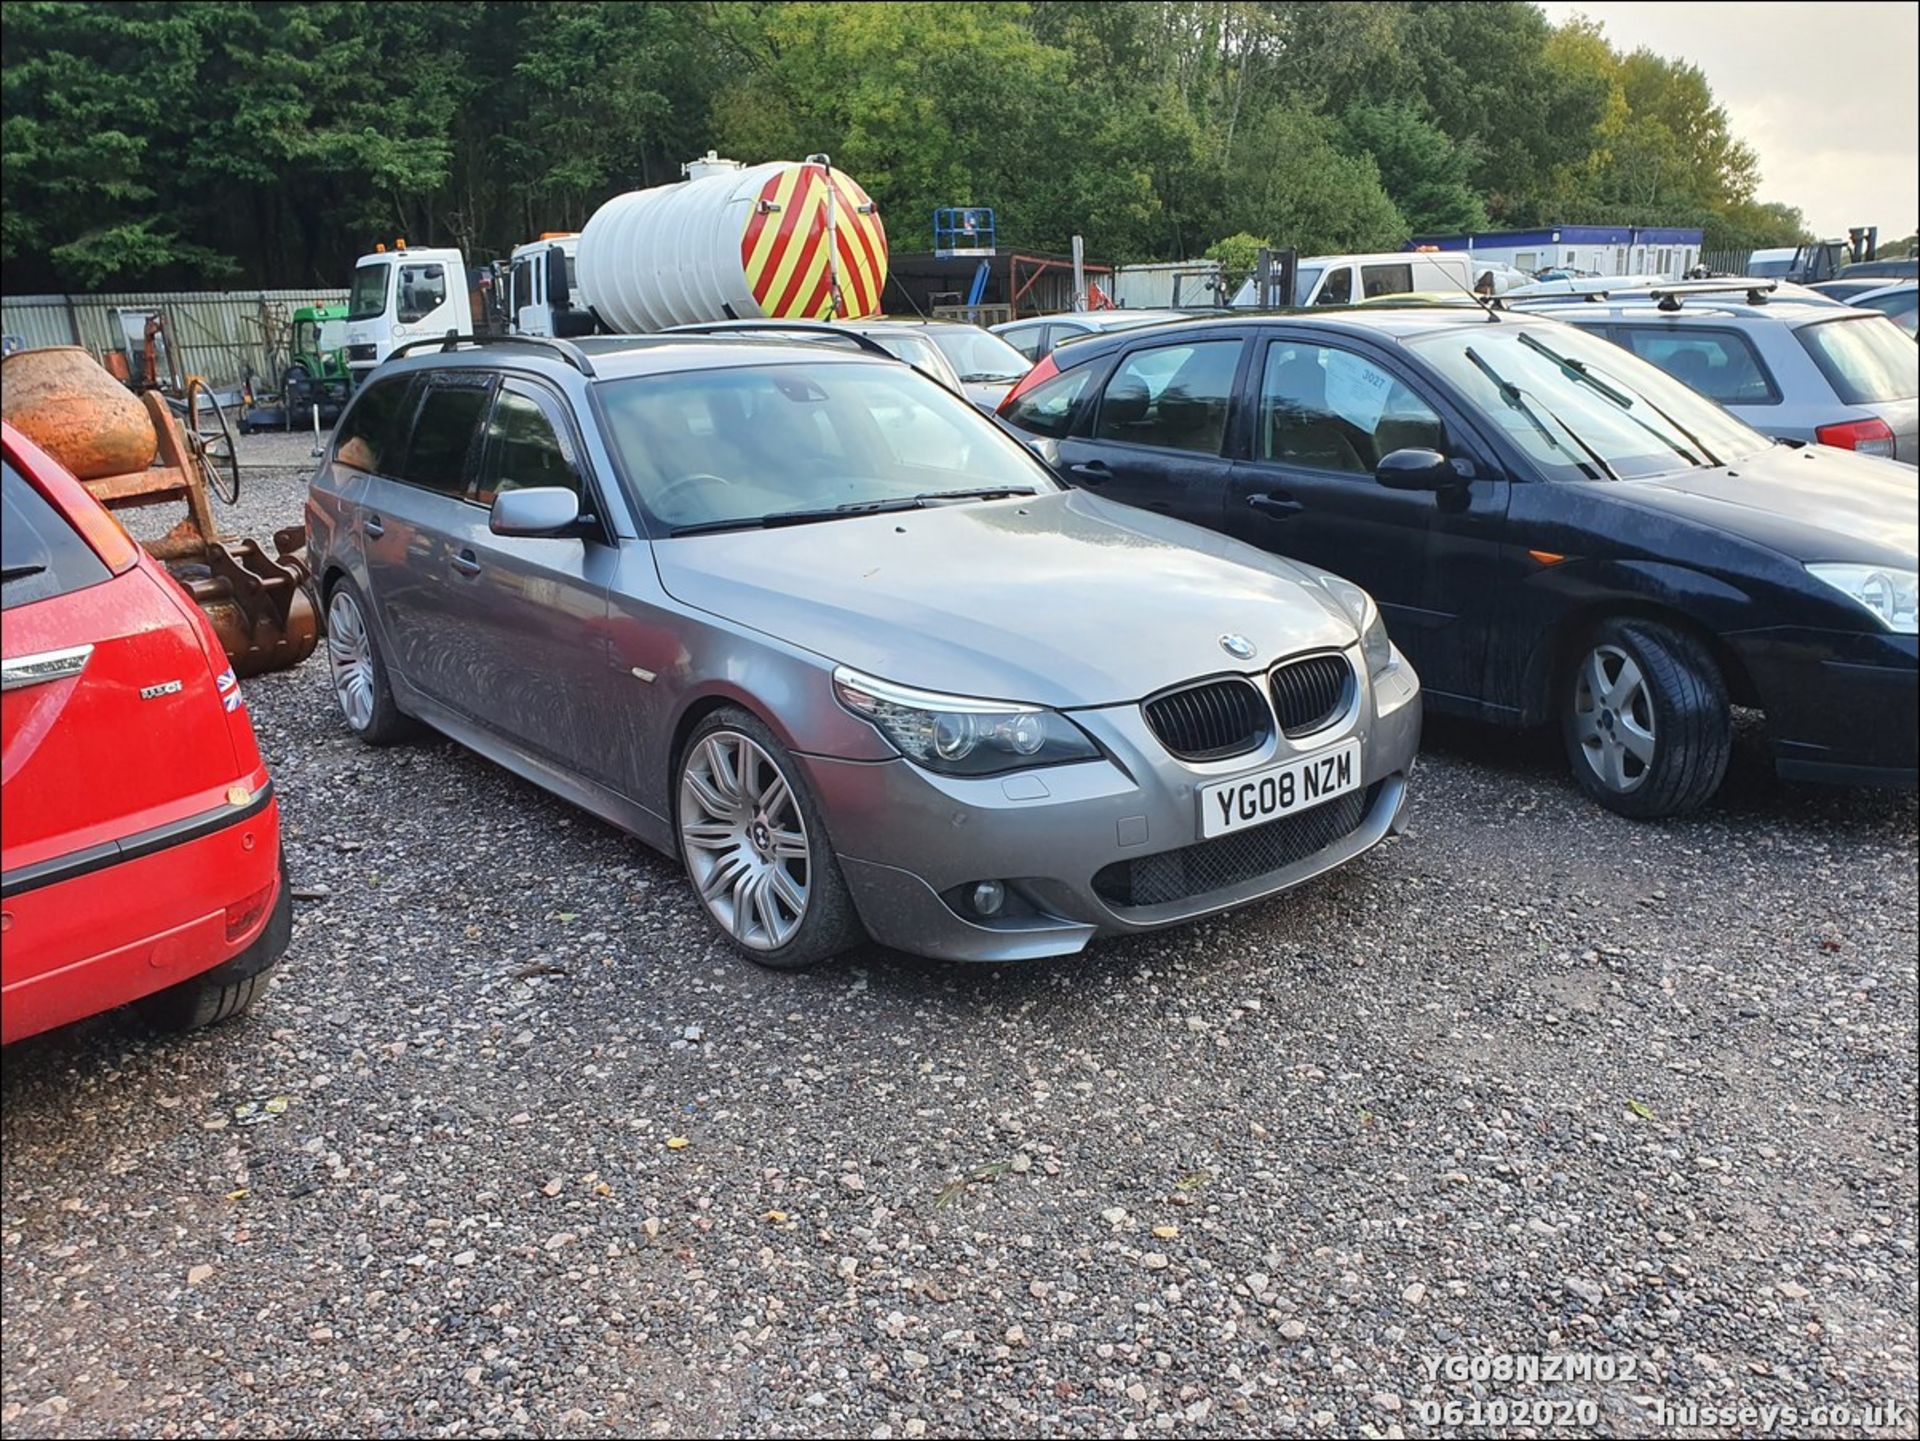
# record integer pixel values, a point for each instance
(539, 510)
(1416, 468)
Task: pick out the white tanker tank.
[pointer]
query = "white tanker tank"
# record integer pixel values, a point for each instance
(785, 240)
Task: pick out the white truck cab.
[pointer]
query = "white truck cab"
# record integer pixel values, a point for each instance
(400, 295)
(543, 290)
(1350, 279)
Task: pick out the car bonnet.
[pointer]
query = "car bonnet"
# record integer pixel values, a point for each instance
(1813, 503)
(1063, 600)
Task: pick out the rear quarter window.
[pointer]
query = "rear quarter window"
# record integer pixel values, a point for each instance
(1865, 358)
(41, 556)
(1048, 408)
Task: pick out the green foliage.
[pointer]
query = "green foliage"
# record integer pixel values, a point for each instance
(1291, 179)
(1425, 174)
(1239, 255)
(191, 141)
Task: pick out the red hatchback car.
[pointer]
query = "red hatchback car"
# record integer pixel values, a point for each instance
(139, 834)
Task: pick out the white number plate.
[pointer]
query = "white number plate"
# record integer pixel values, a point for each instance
(1251, 800)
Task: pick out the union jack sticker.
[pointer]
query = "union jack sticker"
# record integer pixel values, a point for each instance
(229, 690)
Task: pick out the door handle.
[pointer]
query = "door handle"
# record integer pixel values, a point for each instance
(1093, 472)
(373, 526)
(1276, 507)
(466, 564)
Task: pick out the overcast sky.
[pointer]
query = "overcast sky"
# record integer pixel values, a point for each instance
(1828, 95)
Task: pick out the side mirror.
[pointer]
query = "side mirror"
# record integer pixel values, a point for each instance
(543, 510)
(1415, 468)
(557, 295)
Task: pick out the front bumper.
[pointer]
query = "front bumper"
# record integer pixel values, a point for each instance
(1842, 706)
(907, 839)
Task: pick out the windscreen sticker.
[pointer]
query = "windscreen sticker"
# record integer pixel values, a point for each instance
(1356, 391)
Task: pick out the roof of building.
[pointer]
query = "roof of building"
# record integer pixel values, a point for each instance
(1567, 235)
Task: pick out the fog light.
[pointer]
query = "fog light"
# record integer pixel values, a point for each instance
(988, 897)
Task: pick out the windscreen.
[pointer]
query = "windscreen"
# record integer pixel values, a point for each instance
(1582, 408)
(915, 350)
(703, 447)
(978, 355)
(368, 300)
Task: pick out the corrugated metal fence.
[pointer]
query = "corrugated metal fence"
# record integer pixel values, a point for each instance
(221, 334)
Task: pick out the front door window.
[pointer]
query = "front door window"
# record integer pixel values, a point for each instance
(1333, 410)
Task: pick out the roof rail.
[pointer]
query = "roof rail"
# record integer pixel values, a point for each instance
(565, 349)
(1667, 293)
(798, 329)
(1757, 290)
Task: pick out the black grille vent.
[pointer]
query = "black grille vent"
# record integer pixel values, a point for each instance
(362, 352)
(1232, 859)
(1212, 721)
(1310, 695)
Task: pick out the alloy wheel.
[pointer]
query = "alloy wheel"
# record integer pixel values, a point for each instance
(1613, 718)
(745, 840)
(350, 655)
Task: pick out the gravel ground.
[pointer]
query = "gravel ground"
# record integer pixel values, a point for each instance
(514, 1146)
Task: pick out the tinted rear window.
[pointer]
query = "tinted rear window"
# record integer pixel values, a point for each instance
(41, 556)
(373, 432)
(443, 433)
(1866, 358)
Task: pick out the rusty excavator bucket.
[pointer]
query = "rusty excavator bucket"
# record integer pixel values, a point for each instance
(131, 452)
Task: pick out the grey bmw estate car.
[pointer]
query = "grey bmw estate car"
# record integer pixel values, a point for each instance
(813, 624)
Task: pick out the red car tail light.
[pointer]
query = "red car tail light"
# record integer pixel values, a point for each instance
(243, 916)
(1869, 437)
(1045, 370)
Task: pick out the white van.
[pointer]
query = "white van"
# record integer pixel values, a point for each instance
(1349, 279)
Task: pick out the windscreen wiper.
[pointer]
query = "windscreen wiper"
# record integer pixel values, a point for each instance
(20, 570)
(1514, 396)
(797, 517)
(854, 507)
(985, 492)
(1578, 370)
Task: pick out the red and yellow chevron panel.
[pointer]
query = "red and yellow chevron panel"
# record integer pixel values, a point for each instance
(785, 255)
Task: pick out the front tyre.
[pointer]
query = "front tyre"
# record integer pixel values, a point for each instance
(755, 846)
(1646, 721)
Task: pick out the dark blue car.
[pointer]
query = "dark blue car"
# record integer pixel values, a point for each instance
(1555, 530)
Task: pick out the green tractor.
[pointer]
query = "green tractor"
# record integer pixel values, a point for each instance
(316, 374)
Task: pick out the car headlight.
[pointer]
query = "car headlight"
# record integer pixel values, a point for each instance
(1374, 644)
(961, 736)
(1892, 595)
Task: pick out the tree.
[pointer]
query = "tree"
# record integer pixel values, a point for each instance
(92, 101)
(1425, 174)
(1318, 200)
(197, 140)
(1239, 256)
